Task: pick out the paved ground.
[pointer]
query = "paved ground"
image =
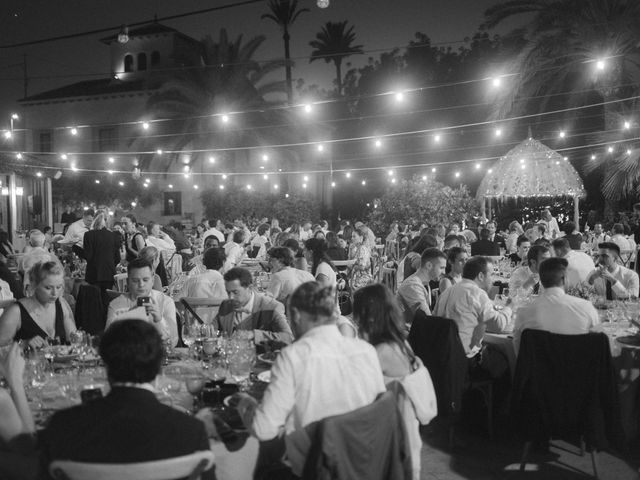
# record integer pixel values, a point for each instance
(484, 459)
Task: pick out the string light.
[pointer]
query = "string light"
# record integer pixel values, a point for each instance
(159, 151)
(111, 160)
(393, 180)
(19, 156)
(63, 156)
(249, 187)
(628, 151)
(276, 186)
(195, 187)
(496, 82)
(399, 97)
(498, 132)
(38, 174)
(221, 187)
(265, 158)
(378, 143)
(601, 64)
(390, 173)
(333, 184)
(170, 185)
(436, 138)
(424, 178)
(121, 184)
(265, 176)
(74, 168)
(305, 178)
(74, 131)
(348, 174)
(593, 157)
(304, 185)
(433, 170)
(308, 108)
(224, 176)
(225, 118)
(146, 185)
(562, 134)
(627, 125)
(97, 181)
(7, 134)
(364, 182)
(110, 172)
(457, 174)
(490, 170)
(610, 149)
(212, 159)
(478, 166)
(145, 125)
(320, 148)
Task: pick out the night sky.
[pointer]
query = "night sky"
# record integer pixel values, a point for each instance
(379, 25)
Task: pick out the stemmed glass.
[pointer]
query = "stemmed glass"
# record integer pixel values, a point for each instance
(217, 372)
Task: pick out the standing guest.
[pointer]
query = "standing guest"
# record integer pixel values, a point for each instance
(209, 284)
(44, 314)
(394, 231)
(380, 320)
(322, 267)
(334, 250)
(235, 250)
(411, 261)
(573, 235)
(261, 242)
(485, 246)
(551, 224)
(321, 360)
(129, 425)
(580, 265)
(554, 310)
(133, 239)
(299, 260)
(515, 232)
(249, 310)
(176, 232)
(495, 237)
(599, 236)
(102, 250)
(469, 305)
(48, 238)
(414, 293)
(284, 279)
(523, 245)
(618, 237)
(526, 277)
(68, 216)
(347, 234)
(611, 280)
(361, 269)
(216, 228)
(76, 231)
(144, 303)
(536, 232)
(37, 254)
(456, 258)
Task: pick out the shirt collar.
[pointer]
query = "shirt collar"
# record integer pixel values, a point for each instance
(248, 307)
(142, 386)
(555, 291)
(329, 329)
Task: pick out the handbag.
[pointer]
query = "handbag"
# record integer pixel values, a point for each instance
(419, 388)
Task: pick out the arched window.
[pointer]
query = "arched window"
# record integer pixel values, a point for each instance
(155, 58)
(142, 61)
(128, 63)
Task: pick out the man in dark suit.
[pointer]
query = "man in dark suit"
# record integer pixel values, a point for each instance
(484, 246)
(249, 310)
(495, 237)
(129, 424)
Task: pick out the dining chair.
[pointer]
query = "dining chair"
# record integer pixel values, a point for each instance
(626, 256)
(389, 277)
(120, 280)
(193, 305)
(189, 467)
(341, 264)
(565, 387)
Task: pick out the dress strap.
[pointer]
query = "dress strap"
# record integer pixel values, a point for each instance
(59, 322)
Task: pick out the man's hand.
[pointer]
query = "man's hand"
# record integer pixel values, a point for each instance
(604, 273)
(152, 310)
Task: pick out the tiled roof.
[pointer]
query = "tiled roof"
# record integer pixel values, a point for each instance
(148, 29)
(104, 86)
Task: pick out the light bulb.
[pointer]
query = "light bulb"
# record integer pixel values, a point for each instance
(457, 174)
(322, 3)
(321, 148)
(348, 174)
(111, 160)
(276, 187)
(433, 170)
(74, 131)
(212, 159)
(600, 65)
(333, 184)
(562, 134)
(170, 185)
(145, 125)
(436, 138)
(498, 132)
(225, 118)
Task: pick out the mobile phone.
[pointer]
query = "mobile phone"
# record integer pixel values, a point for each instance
(142, 301)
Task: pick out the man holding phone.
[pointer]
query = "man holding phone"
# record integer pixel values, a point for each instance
(144, 303)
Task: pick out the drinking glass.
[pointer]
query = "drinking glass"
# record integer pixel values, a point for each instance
(189, 333)
(195, 383)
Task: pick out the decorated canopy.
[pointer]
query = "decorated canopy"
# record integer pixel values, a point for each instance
(531, 169)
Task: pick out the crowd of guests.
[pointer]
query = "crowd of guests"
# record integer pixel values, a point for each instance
(332, 365)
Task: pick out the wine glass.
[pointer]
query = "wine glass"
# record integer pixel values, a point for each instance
(195, 384)
(218, 372)
(188, 333)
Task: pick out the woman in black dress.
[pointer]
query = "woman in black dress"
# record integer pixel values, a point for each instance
(42, 315)
(134, 240)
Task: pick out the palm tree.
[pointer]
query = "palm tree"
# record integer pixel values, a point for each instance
(585, 46)
(333, 43)
(284, 13)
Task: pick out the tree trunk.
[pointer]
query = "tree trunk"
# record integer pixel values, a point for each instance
(338, 62)
(287, 66)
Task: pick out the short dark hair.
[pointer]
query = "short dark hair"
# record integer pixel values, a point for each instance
(569, 227)
(617, 228)
(314, 299)
(453, 253)
(451, 238)
(292, 244)
(138, 263)
(239, 273)
(88, 212)
(610, 246)
(214, 258)
(535, 251)
(485, 234)
(552, 271)
(522, 239)
(541, 228)
(132, 350)
(238, 236)
(431, 254)
(262, 229)
(542, 242)
(561, 243)
(475, 266)
(283, 254)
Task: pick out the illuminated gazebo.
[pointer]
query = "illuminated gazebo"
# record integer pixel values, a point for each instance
(530, 170)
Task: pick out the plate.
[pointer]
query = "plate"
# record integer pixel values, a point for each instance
(631, 340)
(265, 359)
(65, 358)
(265, 376)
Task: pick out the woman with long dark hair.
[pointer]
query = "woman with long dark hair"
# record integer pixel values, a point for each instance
(322, 267)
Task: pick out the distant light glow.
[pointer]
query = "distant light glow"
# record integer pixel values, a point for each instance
(627, 125)
(457, 174)
(308, 108)
(64, 156)
(593, 157)
(74, 131)
(610, 149)
(121, 184)
(436, 138)
(522, 167)
(7, 134)
(399, 97)
(490, 170)
(170, 185)
(74, 168)
(212, 159)
(496, 82)
(628, 151)
(378, 143)
(146, 185)
(110, 172)
(112, 160)
(433, 170)
(159, 151)
(304, 185)
(393, 180)
(276, 186)
(286, 195)
(321, 148)
(225, 118)
(305, 178)
(145, 125)
(390, 173)
(97, 181)
(195, 187)
(424, 178)
(265, 158)
(364, 182)
(562, 134)
(601, 64)
(565, 159)
(498, 132)
(249, 187)
(348, 175)
(147, 180)
(38, 174)
(478, 166)
(265, 176)
(333, 184)
(221, 187)
(19, 156)
(224, 176)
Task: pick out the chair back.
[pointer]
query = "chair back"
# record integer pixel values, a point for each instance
(626, 256)
(389, 277)
(199, 307)
(173, 265)
(436, 342)
(565, 387)
(340, 264)
(392, 250)
(188, 466)
(120, 280)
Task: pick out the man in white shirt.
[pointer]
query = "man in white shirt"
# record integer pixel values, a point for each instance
(75, 232)
(553, 230)
(580, 265)
(414, 293)
(215, 228)
(526, 277)
(599, 236)
(260, 243)
(143, 303)
(305, 232)
(554, 310)
(619, 238)
(235, 250)
(322, 374)
(611, 280)
(284, 279)
(469, 305)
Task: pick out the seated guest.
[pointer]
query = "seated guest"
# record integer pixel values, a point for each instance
(411, 261)
(216, 228)
(469, 305)
(322, 374)
(495, 237)
(618, 237)
(611, 280)
(553, 310)
(484, 246)
(250, 310)
(599, 236)
(235, 250)
(322, 267)
(535, 232)
(580, 264)
(334, 250)
(144, 303)
(573, 235)
(520, 256)
(456, 258)
(157, 238)
(414, 293)
(299, 260)
(42, 315)
(208, 284)
(36, 254)
(261, 243)
(128, 425)
(209, 242)
(451, 241)
(515, 232)
(284, 279)
(526, 277)
(152, 256)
